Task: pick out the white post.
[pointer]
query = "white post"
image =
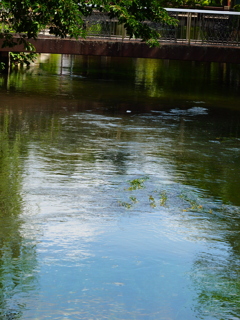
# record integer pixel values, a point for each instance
(188, 31)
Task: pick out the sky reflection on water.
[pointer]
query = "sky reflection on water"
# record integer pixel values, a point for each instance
(80, 240)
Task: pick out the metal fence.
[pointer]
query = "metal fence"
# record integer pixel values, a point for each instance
(194, 26)
(100, 25)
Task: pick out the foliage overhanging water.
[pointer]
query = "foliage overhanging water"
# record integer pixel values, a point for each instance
(120, 190)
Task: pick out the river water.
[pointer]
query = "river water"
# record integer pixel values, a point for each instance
(119, 184)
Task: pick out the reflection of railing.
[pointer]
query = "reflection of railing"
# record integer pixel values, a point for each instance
(194, 26)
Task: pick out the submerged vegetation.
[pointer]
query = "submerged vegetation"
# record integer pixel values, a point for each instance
(194, 205)
(136, 184)
(155, 198)
(163, 198)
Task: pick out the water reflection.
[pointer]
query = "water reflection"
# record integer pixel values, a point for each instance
(17, 254)
(218, 288)
(114, 214)
(135, 84)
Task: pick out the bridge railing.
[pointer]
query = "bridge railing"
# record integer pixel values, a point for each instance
(193, 27)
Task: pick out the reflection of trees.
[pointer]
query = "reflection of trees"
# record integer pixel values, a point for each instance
(17, 256)
(203, 157)
(206, 159)
(81, 144)
(145, 83)
(216, 279)
(10, 200)
(188, 80)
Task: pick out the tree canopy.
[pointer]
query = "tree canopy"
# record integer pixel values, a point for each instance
(27, 18)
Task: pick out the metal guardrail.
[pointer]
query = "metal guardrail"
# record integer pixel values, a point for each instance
(193, 27)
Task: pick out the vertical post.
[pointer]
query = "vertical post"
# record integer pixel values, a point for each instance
(188, 31)
(71, 64)
(123, 32)
(61, 64)
(176, 28)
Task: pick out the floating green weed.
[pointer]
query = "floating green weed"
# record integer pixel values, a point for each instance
(133, 199)
(163, 198)
(136, 184)
(152, 201)
(125, 204)
(155, 199)
(195, 206)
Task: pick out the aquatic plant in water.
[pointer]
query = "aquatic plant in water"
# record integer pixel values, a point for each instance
(152, 201)
(136, 184)
(163, 198)
(194, 205)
